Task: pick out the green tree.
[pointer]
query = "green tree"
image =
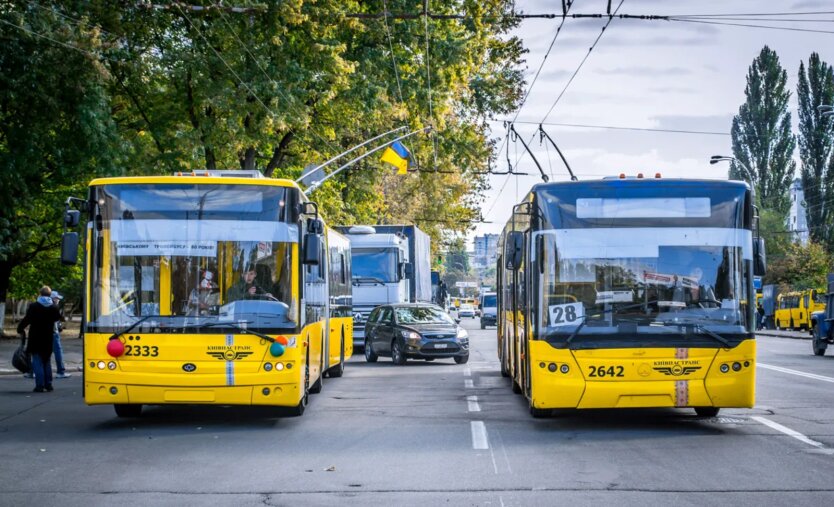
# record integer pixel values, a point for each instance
(802, 267)
(816, 143)
(761, 133)
(55, 130)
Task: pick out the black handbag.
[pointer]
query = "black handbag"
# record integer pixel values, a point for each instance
(20, 359)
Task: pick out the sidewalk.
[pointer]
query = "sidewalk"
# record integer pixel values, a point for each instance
(796, 335)
(71, 345)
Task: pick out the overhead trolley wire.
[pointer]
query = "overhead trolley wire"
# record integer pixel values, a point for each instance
(277, 86)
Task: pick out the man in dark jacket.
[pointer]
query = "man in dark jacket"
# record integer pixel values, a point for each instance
(41, 317)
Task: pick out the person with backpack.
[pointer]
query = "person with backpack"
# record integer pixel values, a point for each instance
(41, 317)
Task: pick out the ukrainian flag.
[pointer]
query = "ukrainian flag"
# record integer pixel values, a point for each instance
(397, 155)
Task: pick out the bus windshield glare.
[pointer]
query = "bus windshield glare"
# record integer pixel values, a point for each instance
(193, 258)
(613, 268)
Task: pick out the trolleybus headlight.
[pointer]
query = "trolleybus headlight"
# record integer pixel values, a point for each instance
(267, 367)
(115, 347)
(111, 365)
(114, 390)
(736, 366)
(279, 366)
(265, 391)
(101, 365)
(541, 365)
(724, 368)
(564, 368)
(746, 364)
(551, 367)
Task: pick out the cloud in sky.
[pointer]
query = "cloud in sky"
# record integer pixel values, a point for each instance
(663, 75)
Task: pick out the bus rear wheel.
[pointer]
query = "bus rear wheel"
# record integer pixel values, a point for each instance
(707, 411)
(339, 369)
(128, 410)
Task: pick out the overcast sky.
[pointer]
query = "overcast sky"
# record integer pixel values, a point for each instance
(644, 74)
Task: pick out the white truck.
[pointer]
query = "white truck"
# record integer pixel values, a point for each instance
(390, 264)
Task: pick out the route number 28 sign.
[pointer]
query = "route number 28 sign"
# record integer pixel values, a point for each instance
(569, 314)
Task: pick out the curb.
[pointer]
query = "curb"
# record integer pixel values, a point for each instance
(794, 336)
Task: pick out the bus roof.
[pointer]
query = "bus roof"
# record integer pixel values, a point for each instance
(191, 178)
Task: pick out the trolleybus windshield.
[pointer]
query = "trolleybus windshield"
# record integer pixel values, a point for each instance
(643, 269)
(189, 258)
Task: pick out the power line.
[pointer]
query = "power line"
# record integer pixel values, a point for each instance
(524, 99)
(277, 86)
(428, 80)
(612, 127)
(559, 97)
(786, 28)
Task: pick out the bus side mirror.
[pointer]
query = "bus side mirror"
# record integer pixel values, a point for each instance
(513, 250)
(406, 270)
(69, 248)
(312, 249)
(72, 217)
(759, 257)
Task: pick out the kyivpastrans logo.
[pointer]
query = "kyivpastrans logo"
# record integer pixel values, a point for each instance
(230, 353)
(676, 368)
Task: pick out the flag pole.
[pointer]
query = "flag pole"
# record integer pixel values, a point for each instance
(316, 184)
(340, 155)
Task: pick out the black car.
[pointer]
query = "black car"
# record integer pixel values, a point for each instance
(417, 331)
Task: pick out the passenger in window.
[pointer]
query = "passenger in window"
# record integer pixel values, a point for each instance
(205, 299)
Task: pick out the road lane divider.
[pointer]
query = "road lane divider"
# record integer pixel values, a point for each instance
(468, 384)
(479, 435)
(796, 372)
(472, 401)
(787, 431)
(467, 372)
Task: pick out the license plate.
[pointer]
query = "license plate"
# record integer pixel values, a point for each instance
(440, 345)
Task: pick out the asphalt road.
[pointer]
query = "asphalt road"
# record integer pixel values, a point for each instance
(427, 434)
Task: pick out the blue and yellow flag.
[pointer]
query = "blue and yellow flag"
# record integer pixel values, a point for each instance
(397, 155)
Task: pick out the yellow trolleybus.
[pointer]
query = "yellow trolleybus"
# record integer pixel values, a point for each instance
(218, 287)
(630, 293)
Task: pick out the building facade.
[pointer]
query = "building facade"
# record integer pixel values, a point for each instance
(797, 218)
(486, 248)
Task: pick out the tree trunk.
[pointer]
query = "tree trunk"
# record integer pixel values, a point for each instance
(248, 161)
(278, 154)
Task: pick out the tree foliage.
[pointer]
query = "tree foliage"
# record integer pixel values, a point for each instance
(56, 131)
(157, 88)
(802, 267)
(761, 133)
(816, 145)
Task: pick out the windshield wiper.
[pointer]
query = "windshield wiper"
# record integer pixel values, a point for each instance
(713, 334)
(697, 328)
(368, 278)
(241, 329)
(597, 314)
(131, 327)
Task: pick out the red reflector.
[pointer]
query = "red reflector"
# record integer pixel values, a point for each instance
(639, 175)
(657, 175)
(622, 176)
(115, 348)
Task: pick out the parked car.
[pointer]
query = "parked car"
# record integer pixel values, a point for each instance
(414, 331)
(466, 310)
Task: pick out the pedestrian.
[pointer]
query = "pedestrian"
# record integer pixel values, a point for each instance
(760, 313)
(40, 318)
(56, 341)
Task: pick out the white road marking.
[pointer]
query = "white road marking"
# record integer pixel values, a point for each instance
(796, 372)
(467, 372)
(468, 384)
(472, 401)
(479, 435)
(787, 431)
